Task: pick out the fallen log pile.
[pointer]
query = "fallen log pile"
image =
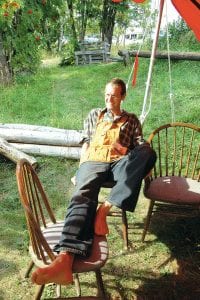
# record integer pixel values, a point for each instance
(13, 153)
(126, 54)
(49, 150)
(15, 139)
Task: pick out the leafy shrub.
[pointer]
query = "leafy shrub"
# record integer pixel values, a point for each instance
(25, 28)
(180, 37)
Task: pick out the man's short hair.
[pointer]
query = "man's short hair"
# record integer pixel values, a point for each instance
(120, 82)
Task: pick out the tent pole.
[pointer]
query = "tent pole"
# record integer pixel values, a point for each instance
(152, 58)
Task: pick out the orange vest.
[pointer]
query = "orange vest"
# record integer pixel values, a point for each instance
(102, 147)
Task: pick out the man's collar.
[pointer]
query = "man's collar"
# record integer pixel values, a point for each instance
(104, 110)
(108, 116)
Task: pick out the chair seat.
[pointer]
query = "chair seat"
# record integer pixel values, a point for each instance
(97, 259)
(174, 189)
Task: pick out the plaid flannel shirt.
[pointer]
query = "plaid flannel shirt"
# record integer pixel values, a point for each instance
(130, 132)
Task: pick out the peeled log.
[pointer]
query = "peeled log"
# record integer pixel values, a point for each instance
(14, 154)
(162, 55)
(69, 152)
(70, 138)
(32, 127)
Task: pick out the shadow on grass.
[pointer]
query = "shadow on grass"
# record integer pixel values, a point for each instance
(166, 266)
(182, 237)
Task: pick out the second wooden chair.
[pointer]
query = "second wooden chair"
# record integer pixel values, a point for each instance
(44, 232)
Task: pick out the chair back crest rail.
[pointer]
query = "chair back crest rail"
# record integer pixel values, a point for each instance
(178, 150)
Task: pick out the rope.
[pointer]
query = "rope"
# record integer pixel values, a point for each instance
(146, 112)
(148, 95)
(171, 96)
(153, 52)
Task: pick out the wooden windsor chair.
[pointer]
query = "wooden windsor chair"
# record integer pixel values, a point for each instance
(44, 232)
(173, 187)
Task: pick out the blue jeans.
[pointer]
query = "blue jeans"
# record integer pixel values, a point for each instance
(127, 173)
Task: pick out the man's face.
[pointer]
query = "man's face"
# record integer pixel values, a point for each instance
(113, 97)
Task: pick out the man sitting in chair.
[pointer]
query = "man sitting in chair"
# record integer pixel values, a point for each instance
(113, 150)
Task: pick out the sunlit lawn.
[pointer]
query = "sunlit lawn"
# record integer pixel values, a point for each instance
(167, 265)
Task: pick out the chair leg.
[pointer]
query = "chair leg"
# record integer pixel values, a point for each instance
(125, 229)
(100, 286)
(39, 292)
(58, 290)
(148, 219)
(30, 267)
(77, 284)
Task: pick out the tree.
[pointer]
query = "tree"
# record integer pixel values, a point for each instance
(71, 19)
(5, 73)
(81, 12)
(181, 37)
(7, 11)
(25, 28)
(133, 16)
(80, 15)
(108, 20)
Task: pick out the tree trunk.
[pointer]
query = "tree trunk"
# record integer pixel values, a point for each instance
(5, 73)
(108, 21)
(84, 16)
(61, 35)
(72, 22)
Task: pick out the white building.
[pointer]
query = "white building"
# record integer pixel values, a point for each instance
(133, 36)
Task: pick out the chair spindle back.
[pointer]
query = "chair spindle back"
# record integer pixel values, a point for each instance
(178, 148)
(37, 209)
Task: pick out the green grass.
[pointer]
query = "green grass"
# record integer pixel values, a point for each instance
(62, 97)
(167, 265)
